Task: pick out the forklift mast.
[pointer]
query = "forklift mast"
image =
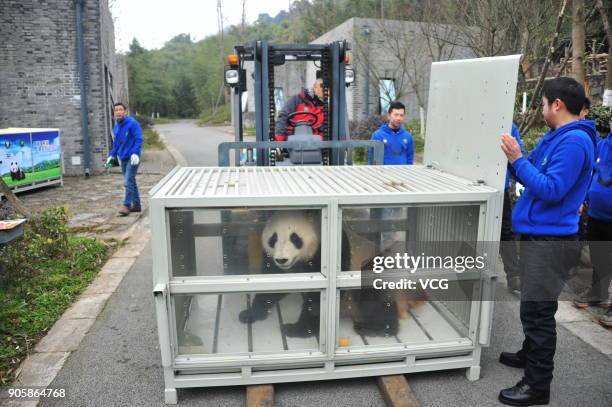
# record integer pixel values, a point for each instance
(265, 56)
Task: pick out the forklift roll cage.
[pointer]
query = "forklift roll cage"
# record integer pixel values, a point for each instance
(265, 57)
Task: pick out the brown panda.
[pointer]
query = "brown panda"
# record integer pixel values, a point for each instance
(292, 244)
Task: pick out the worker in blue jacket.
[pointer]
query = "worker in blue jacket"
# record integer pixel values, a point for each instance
(599, 232)
(556, 178)
(508, 248)
(399, 150)
(399, 146)
(127, 145)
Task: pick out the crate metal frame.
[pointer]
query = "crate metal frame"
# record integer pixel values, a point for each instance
(180, 190)
(470, 101)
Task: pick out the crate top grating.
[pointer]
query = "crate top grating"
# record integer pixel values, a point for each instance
(212, 182)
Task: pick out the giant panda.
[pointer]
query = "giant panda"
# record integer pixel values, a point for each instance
(17, 173)
(291, 243)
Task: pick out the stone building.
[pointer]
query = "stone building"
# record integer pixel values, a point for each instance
(39, 74)
(377, 46)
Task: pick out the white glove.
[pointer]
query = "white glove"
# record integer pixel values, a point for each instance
(134, 159)
(109, 159)
(519, 189)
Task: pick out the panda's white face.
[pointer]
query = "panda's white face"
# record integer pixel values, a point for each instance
(290, 237)
(14, 167)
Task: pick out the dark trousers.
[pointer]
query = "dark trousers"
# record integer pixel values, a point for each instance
(599, 235)
(129, 182)
(545, 262)
(508, 246)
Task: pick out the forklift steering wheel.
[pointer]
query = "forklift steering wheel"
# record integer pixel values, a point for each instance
(309, 121)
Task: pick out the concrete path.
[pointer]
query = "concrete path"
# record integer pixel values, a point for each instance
(118, 364)
(93, 202)
(198, 145)
(118, 361)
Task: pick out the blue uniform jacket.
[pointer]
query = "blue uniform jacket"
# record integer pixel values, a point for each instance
(399, 147)
(128, 138)
(600, 192)
(556, 178)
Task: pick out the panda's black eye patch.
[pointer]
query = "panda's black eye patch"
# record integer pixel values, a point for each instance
(272, 240)
(296, 240)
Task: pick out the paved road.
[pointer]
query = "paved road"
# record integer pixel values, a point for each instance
(197, 144)
(118, 362)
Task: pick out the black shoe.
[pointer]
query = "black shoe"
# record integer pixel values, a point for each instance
(523, 395)
(513, 359)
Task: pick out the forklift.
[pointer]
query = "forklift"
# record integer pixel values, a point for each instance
(303, 147)
(239, 229)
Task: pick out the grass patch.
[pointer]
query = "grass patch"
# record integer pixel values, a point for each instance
(33, 176)
(44, 272)
(152, 141)
(164, 120)
(248, 132)
(221, 117)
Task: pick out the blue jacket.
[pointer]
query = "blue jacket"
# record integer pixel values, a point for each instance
(128, 138)
(600, 192)
(399, 147)
(556, 178)
(515, 133)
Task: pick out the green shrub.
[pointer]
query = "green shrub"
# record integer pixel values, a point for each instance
(363, 129)
(46, 269)
(222, 116)
(152, 141)
(45, 237)
(145, 121)
(601, 115)
(532, 137)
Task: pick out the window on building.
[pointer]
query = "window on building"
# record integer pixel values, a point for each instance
(386, 93)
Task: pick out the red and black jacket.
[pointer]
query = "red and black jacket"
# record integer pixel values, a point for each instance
(299, 103)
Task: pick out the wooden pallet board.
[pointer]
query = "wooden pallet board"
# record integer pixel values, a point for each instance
(261, 395)
(396, 392)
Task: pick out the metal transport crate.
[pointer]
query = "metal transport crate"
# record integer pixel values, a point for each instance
(213, 270)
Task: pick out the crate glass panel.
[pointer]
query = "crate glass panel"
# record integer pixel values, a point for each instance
(217, 242)
(372, 231)
(247, 322)
(368, 317)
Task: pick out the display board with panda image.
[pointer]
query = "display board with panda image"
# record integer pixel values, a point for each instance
(16, 158)
(46, 154)
(28, 156)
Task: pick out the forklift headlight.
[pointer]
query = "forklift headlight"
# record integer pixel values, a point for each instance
(349, 76)
(232, 77)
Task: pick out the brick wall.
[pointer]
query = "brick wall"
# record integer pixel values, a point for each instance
(39, 79)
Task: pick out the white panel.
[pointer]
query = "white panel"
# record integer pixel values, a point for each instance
(201, 323)
(255, 182)
(471, 103)
(266, 334)
(433, 323)
(233, 335)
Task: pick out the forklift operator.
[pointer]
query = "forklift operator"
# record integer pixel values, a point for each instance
(306, 101)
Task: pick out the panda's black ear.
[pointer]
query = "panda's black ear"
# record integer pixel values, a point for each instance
(272, 240)
(296, 240)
